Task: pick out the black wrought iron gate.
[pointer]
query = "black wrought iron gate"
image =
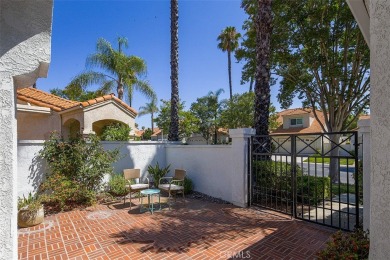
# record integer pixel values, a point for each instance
(315, 177)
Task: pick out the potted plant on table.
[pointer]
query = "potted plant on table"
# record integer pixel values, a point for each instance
(157, 173)
(30, 211)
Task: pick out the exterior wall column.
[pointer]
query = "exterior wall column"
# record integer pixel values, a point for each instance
(240, 158)
(24, 56)
(365, 133)
(380, 129)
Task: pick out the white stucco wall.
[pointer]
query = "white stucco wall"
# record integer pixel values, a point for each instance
(138, 155)
(25, 28)
(380, 129)
(217, 170)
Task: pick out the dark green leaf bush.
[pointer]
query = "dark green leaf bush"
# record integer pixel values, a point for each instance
(277, 177)
(117, 185)
(116, 132)
(188, 185)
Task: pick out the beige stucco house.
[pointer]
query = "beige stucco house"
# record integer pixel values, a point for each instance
(39, 113)
(303, 122)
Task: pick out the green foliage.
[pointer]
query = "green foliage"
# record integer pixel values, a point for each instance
(157, 173)
(238, 113)
(188, 185)
(115, 70)
(311, 189)
(277, 177)
(116, 132)
(359, 173)
(320, 55)
(354, 245)
(208, 110)
(149, 108)
(76, 94)
(117, 185)
(75, 169)
(32, 203)
(147, 135)
(317, 158)
(62, 193)
(188, 123)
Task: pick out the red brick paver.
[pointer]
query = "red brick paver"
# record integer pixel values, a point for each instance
(193, 229)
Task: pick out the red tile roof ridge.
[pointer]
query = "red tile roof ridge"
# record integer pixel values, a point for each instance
(45, 99)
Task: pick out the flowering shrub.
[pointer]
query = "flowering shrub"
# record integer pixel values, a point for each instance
(76, 169)
(354, 245)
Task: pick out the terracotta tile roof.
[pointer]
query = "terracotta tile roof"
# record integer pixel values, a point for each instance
(41, 98)
(44, 99)
(156, 131)
(315, 127)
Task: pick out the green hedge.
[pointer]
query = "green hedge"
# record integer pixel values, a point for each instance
(276, 177)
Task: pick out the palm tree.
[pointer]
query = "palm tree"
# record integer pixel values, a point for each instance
(263, 23)
(121, 71)
(149, 108)
(228, 41)
(174, 125)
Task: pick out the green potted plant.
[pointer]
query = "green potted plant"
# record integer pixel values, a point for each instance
(157, 173)
(30, 211)
(117, 185)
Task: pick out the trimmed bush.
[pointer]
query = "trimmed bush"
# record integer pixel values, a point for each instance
(277, 178)
(188, 185)
(116, 132)
(117, 185)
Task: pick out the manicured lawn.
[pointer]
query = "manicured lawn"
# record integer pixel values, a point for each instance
(316, 159)
(343, 188)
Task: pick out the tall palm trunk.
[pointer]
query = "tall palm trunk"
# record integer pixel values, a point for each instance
(152, 123)
(120, 89)
(174, 126)
(230, 74)
(262, 88)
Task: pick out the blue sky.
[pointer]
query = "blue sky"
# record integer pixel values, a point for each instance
(146, 24)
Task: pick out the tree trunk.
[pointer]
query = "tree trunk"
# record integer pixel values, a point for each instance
(174, 125)
(230, 75)
(262, 88)
(334, 171)
(152, 124)
(119, 89)
(251, 85)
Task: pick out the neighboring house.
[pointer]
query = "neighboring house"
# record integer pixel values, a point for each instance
(299, 121)
(39, 113)
(222, 138)
(159, 135)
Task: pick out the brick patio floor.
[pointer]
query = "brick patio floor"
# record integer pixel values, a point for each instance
(192, 229)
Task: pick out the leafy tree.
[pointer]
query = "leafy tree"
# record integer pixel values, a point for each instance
(228, 41)
(188, 123)
(175, 100)
(239, 113)
(149, 108)
(76, 94)
(322, 58)
(122, 72)
(147, 135)
(116, 132)
(207, 109)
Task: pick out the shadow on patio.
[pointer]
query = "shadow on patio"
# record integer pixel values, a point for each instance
(193, 229)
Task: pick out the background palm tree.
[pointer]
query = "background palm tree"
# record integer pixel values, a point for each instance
(215, 105)
(228, 41)
(149, 108)
(121, 71)
(174, 125)
(262, 85)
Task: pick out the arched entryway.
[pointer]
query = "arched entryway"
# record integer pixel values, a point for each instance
(71, 128)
